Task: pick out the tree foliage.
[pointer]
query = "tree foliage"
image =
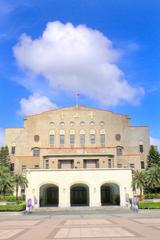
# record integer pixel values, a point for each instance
(153, 157)
(138, 181)
(4, 156)
(20, 181)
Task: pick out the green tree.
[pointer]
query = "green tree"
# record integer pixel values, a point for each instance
(4, 156)
(6, 181)
(20, 181)
(153, 157)
(138, 181)
(152, 177)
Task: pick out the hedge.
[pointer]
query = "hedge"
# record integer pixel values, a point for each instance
(152, 195)
(148, 205)
(13, 207)
(9, 198)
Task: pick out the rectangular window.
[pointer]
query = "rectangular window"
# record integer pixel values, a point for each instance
(24, 167)
(90, 163)
(102, 139)
(36, 166)
(119, 151)
(13, 150)
(12, 167)
(119, 165)
(92, 138)
(61, 139)
(132, 165)
(47, 164)
(142, 165)
(36, 152)
(65, 164)
(51, 139)
(82, 139)
(141, 148)
(72, 139)
(109, 163)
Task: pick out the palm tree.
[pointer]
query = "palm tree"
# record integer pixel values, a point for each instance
(6, 180)
(20, 181)
(138, 181)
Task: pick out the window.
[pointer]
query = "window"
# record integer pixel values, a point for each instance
(36, 152)
(141, 148)
(132, 165)
(119, 151)
(102, 139)
(109, 163)
(119, 165)
(51, 139)
(47, 164)
(24, 167)
(92, 123)
(142, 165)
(13, 150)
(82, 139)
(61, 139)
(92, 138)
(72, 139)
(36, 166)
(12, 167)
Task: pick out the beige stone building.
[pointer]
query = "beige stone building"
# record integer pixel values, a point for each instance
(75, 142)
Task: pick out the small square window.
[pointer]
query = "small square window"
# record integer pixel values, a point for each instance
(132, 165)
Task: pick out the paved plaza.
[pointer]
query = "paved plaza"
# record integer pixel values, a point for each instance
(55, 226)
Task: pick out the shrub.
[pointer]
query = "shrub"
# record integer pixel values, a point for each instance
(152, 195)
(9, 198)
(13, 207)
(148, 205)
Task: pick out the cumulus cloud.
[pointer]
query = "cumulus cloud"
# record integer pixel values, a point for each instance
(1, 137)
(76, 59)
(155, 142)
(35, 104)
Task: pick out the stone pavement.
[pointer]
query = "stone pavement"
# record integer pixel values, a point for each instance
(85, 227)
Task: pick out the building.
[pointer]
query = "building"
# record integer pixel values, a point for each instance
(76, 152)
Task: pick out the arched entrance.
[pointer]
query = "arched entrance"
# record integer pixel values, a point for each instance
(49, 195)
(79, 195)
(110, 194)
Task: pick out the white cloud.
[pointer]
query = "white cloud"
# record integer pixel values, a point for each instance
(35, 104)
(76, 59)
(1, 137)
(155, 141)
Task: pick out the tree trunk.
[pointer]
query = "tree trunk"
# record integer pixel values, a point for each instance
(16, 192)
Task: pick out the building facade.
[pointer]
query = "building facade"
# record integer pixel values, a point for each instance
(80, 140)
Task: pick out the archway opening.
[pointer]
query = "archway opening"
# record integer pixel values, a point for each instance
(79, 195)
(49, 195)
(110, 194)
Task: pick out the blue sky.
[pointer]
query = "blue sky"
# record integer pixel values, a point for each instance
(109, 52)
